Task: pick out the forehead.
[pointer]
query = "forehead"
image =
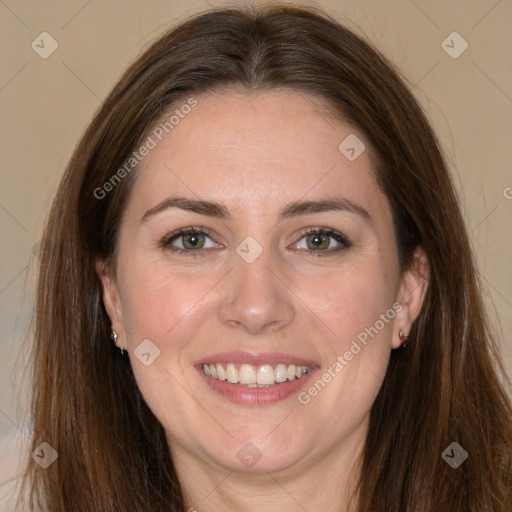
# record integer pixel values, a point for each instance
(257, 151)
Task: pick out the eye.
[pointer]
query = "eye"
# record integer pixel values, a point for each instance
(318, 241)
(189, 241)
(193, 241)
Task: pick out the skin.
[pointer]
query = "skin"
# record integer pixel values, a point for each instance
(255, 153)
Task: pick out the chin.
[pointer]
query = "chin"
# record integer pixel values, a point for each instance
(255, 455)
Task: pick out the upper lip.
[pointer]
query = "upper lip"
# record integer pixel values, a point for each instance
(255, 359)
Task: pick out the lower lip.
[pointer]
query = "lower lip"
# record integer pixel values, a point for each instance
(256, 396)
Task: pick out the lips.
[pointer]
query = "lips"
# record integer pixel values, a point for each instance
(240, 357)
(255, 379)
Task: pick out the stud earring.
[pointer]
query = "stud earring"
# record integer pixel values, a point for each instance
(114, 337)
(403, 338)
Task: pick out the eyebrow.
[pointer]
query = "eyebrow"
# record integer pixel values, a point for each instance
(294, 209)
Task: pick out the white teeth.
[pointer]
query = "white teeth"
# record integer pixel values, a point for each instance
(247, 374)
(280, 373)
(221, 374)
(266, 375)
(231, 373)
(255, 376)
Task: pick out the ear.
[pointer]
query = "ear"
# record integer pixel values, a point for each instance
(412, 290)
(111, 298)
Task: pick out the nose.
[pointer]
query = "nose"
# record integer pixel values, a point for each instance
(257, 299)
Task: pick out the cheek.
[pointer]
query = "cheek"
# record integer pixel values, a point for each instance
(165, 309)
(356, 306)
(156, 301)
(351, 301)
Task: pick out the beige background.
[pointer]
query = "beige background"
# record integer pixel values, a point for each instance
(46, 103)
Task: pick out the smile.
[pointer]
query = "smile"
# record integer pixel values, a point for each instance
(249, 375)
(255, 379)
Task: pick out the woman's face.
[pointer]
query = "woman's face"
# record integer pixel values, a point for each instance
(254, 288)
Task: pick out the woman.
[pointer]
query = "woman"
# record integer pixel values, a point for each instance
(257, 292)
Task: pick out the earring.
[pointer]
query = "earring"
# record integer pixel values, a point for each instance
(114, 337)
(403, 338)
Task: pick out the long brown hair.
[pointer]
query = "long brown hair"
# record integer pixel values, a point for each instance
(445, 387)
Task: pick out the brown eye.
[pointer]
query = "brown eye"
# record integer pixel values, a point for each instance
(193, 240)
(189, 241)
(319, 242)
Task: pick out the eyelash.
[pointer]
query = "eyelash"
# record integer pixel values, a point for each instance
(339, 237)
